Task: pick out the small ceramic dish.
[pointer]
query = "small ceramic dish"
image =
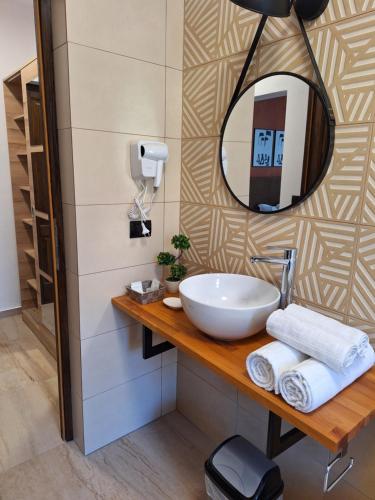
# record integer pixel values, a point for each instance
(172, 302)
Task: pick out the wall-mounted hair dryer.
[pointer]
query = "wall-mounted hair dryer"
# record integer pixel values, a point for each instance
(147, 160)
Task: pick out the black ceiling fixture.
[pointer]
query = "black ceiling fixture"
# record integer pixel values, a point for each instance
(306, 9)
(275, 8)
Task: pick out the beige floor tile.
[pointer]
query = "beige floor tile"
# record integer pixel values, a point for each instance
(28, 395)
(159, 461)
(28, 423)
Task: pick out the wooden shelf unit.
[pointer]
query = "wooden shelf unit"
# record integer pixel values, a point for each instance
(30, 193)
(333, 425)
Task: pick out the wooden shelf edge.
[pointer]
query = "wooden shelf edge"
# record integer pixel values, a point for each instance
(33, 284)
(28, 222)
(25, 188)
(41, 215)
(19, 118)
(46, 276)
(30, 252)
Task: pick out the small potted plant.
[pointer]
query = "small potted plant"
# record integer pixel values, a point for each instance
(177, 270)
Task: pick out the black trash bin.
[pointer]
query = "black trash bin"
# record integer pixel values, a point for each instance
(237, 470)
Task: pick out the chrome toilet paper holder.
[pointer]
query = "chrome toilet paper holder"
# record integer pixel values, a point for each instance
(328, 486)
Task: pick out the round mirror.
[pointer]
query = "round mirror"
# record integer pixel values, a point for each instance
(276, 143)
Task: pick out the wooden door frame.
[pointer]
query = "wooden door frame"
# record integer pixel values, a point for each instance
(44, 42)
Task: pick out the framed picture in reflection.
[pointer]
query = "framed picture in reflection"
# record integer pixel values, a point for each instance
(278, 157)
(263, 146)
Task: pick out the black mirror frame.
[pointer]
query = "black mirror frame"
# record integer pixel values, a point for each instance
(328, 153)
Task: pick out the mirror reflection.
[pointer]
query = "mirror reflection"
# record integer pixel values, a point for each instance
(275, 143)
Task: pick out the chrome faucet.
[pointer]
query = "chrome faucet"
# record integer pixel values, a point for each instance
(289, 267)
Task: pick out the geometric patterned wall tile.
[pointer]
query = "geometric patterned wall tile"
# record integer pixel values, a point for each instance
(208, 90)
(285, 55)
(345, 54)
(215, 29)
(198, 160)
(368, 328)
(368, 213)
(340, 194)
(264, 231)
(227, 240)
(194, 268)
(321, 310)
(200, 34)
(324, 263)
(195, 222)
(342, 9)
(278, 28)
(236, 28)
(362, 304)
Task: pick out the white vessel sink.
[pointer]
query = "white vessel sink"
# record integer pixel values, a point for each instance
(228, 306)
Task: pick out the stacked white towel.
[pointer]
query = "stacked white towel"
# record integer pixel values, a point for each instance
(352, 335)
(313, 359)
(266, 365)
(314, 339)
(311, 383)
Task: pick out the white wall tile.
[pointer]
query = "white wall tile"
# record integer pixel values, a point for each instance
(168, 388)
(72, 285)
(98, 315)
(171, 225)
(173, 171)
(70, 238)
(111, 359)
(169, 357)
(102, 168)
(62, 91)
(134, 28)
(121, 410)
(252, 429)
(199, 369)
(58, 22)
(173, 104)
(175, 33)
(115, 93)
(205, 406)
(66, 165)
(75, 366)
(104, 242)
(252, 407)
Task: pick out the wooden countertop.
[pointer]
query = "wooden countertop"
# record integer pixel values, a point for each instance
(333, 424)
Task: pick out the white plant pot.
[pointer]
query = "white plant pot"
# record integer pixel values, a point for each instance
(172, 286)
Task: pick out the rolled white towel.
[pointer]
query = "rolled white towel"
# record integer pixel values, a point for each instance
(311, 383)
(352, 335)
(265, 365)
(312, 340)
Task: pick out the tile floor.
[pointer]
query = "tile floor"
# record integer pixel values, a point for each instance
(163, 460)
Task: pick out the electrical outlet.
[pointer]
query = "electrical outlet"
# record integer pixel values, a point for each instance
(136, 229)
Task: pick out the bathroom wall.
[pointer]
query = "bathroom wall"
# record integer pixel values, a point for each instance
(17, 47)
(334, 230)
(118, 72)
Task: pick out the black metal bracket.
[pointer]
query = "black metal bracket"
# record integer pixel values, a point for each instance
(150, 350)
(277, 443)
